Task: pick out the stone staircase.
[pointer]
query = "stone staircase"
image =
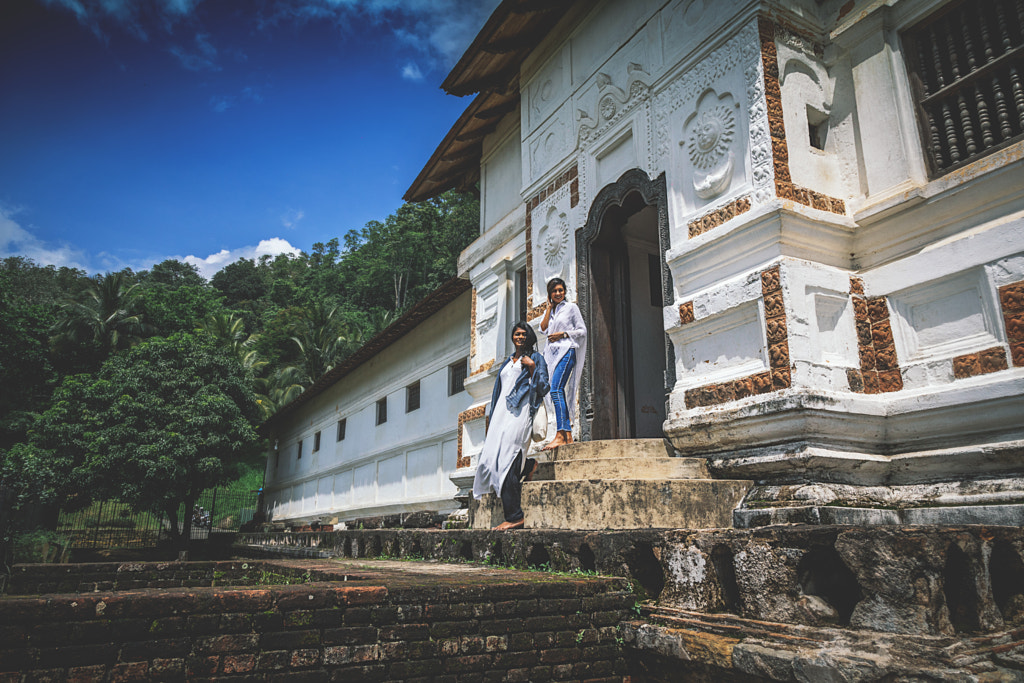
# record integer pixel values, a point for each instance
(620, 484)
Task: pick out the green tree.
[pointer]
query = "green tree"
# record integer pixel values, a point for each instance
(173, 273)
(105, 314)
(26, 374)
(240, 282)
(323, 337)
(156, 426)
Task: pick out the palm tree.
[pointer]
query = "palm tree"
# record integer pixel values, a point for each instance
(324, 338)
(104, 313)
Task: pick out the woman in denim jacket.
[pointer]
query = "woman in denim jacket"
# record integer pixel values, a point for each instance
(519, 390)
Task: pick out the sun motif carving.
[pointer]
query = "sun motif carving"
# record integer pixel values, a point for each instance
(711, 136)
(608, 107)
(555, 243)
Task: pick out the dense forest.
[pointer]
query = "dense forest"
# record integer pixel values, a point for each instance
(113, 384)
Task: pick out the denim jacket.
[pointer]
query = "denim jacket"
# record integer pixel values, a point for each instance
(534, 387)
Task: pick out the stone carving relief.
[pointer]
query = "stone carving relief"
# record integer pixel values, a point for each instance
(708, 138)
(553, 242)
(613, 102)
(743, 49)
(487, 307)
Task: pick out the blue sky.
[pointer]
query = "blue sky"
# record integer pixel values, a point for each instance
(136, 130)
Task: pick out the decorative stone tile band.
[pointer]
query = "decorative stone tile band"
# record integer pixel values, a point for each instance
(1011, 300)
(472, 324)
(570, 176)
(484, 367)
(784, 186)
(980, 363)
(879, 368)
(464, 417)
(713, 219)
(777, 333)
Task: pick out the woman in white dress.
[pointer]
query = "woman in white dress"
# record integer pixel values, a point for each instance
(521, 386)
(566, 348)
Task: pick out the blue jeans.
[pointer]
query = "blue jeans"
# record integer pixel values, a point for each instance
(559, 378)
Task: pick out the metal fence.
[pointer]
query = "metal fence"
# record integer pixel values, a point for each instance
(113, 524)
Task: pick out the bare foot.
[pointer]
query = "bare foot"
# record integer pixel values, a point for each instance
(533, 471)
(505, 526)
(555, 443)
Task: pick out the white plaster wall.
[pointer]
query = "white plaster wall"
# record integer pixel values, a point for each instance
(399, 466)
(500, 173)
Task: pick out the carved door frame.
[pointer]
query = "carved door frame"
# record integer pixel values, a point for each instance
(654, 193)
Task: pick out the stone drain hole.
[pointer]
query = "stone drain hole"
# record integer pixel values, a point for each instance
(588, 563)
(822, 573)
(466, 551)
(645, 567)
(1007, 572)
(724, 563)
(959, 590)
(416, 550)
(538, 556)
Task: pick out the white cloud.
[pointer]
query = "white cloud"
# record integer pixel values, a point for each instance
(411, 72)
(202, 57)
(211, 264)
(16, 240)
(290, 219)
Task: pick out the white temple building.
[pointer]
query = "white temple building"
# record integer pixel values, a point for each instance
(795, 229)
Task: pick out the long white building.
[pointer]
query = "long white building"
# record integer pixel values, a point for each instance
(379, 433)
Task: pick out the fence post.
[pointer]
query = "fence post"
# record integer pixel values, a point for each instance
(213, 509)
(96, 529)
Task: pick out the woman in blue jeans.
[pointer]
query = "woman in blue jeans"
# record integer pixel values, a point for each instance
(564, 354)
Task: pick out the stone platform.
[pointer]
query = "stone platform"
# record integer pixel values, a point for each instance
(621, 484)
(782, 603)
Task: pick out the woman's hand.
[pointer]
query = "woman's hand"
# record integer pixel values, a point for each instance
(555, 336)
(528, 363)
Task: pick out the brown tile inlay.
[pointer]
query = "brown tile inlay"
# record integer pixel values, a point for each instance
(776, 330)
(472, 324)
(879, 367)
(784, 186)
(464, 417)
(719, 216)
(569, 176)
(980, 363)
(484, 367)
(686, 313)
(1011, 300)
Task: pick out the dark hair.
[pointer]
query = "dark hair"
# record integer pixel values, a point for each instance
(531, 336)
(554, 282)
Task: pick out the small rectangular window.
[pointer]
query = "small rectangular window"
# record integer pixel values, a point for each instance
(300, 450)
(316, 442)
(412, 397)
(277, 459)
(341, 430)
(382, 410)
(457, 373)
(963, 76)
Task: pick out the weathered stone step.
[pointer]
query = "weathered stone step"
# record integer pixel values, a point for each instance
(632, 504)
(614, 448)
(628, 468)
(620, 504)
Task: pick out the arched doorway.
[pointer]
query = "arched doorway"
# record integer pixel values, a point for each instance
(623, 284)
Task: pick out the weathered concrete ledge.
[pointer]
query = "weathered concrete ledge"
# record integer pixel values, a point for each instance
(789, 603)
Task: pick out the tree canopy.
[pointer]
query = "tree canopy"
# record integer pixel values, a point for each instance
(147, 384)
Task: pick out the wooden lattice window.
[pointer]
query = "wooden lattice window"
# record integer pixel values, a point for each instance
(966, 63)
